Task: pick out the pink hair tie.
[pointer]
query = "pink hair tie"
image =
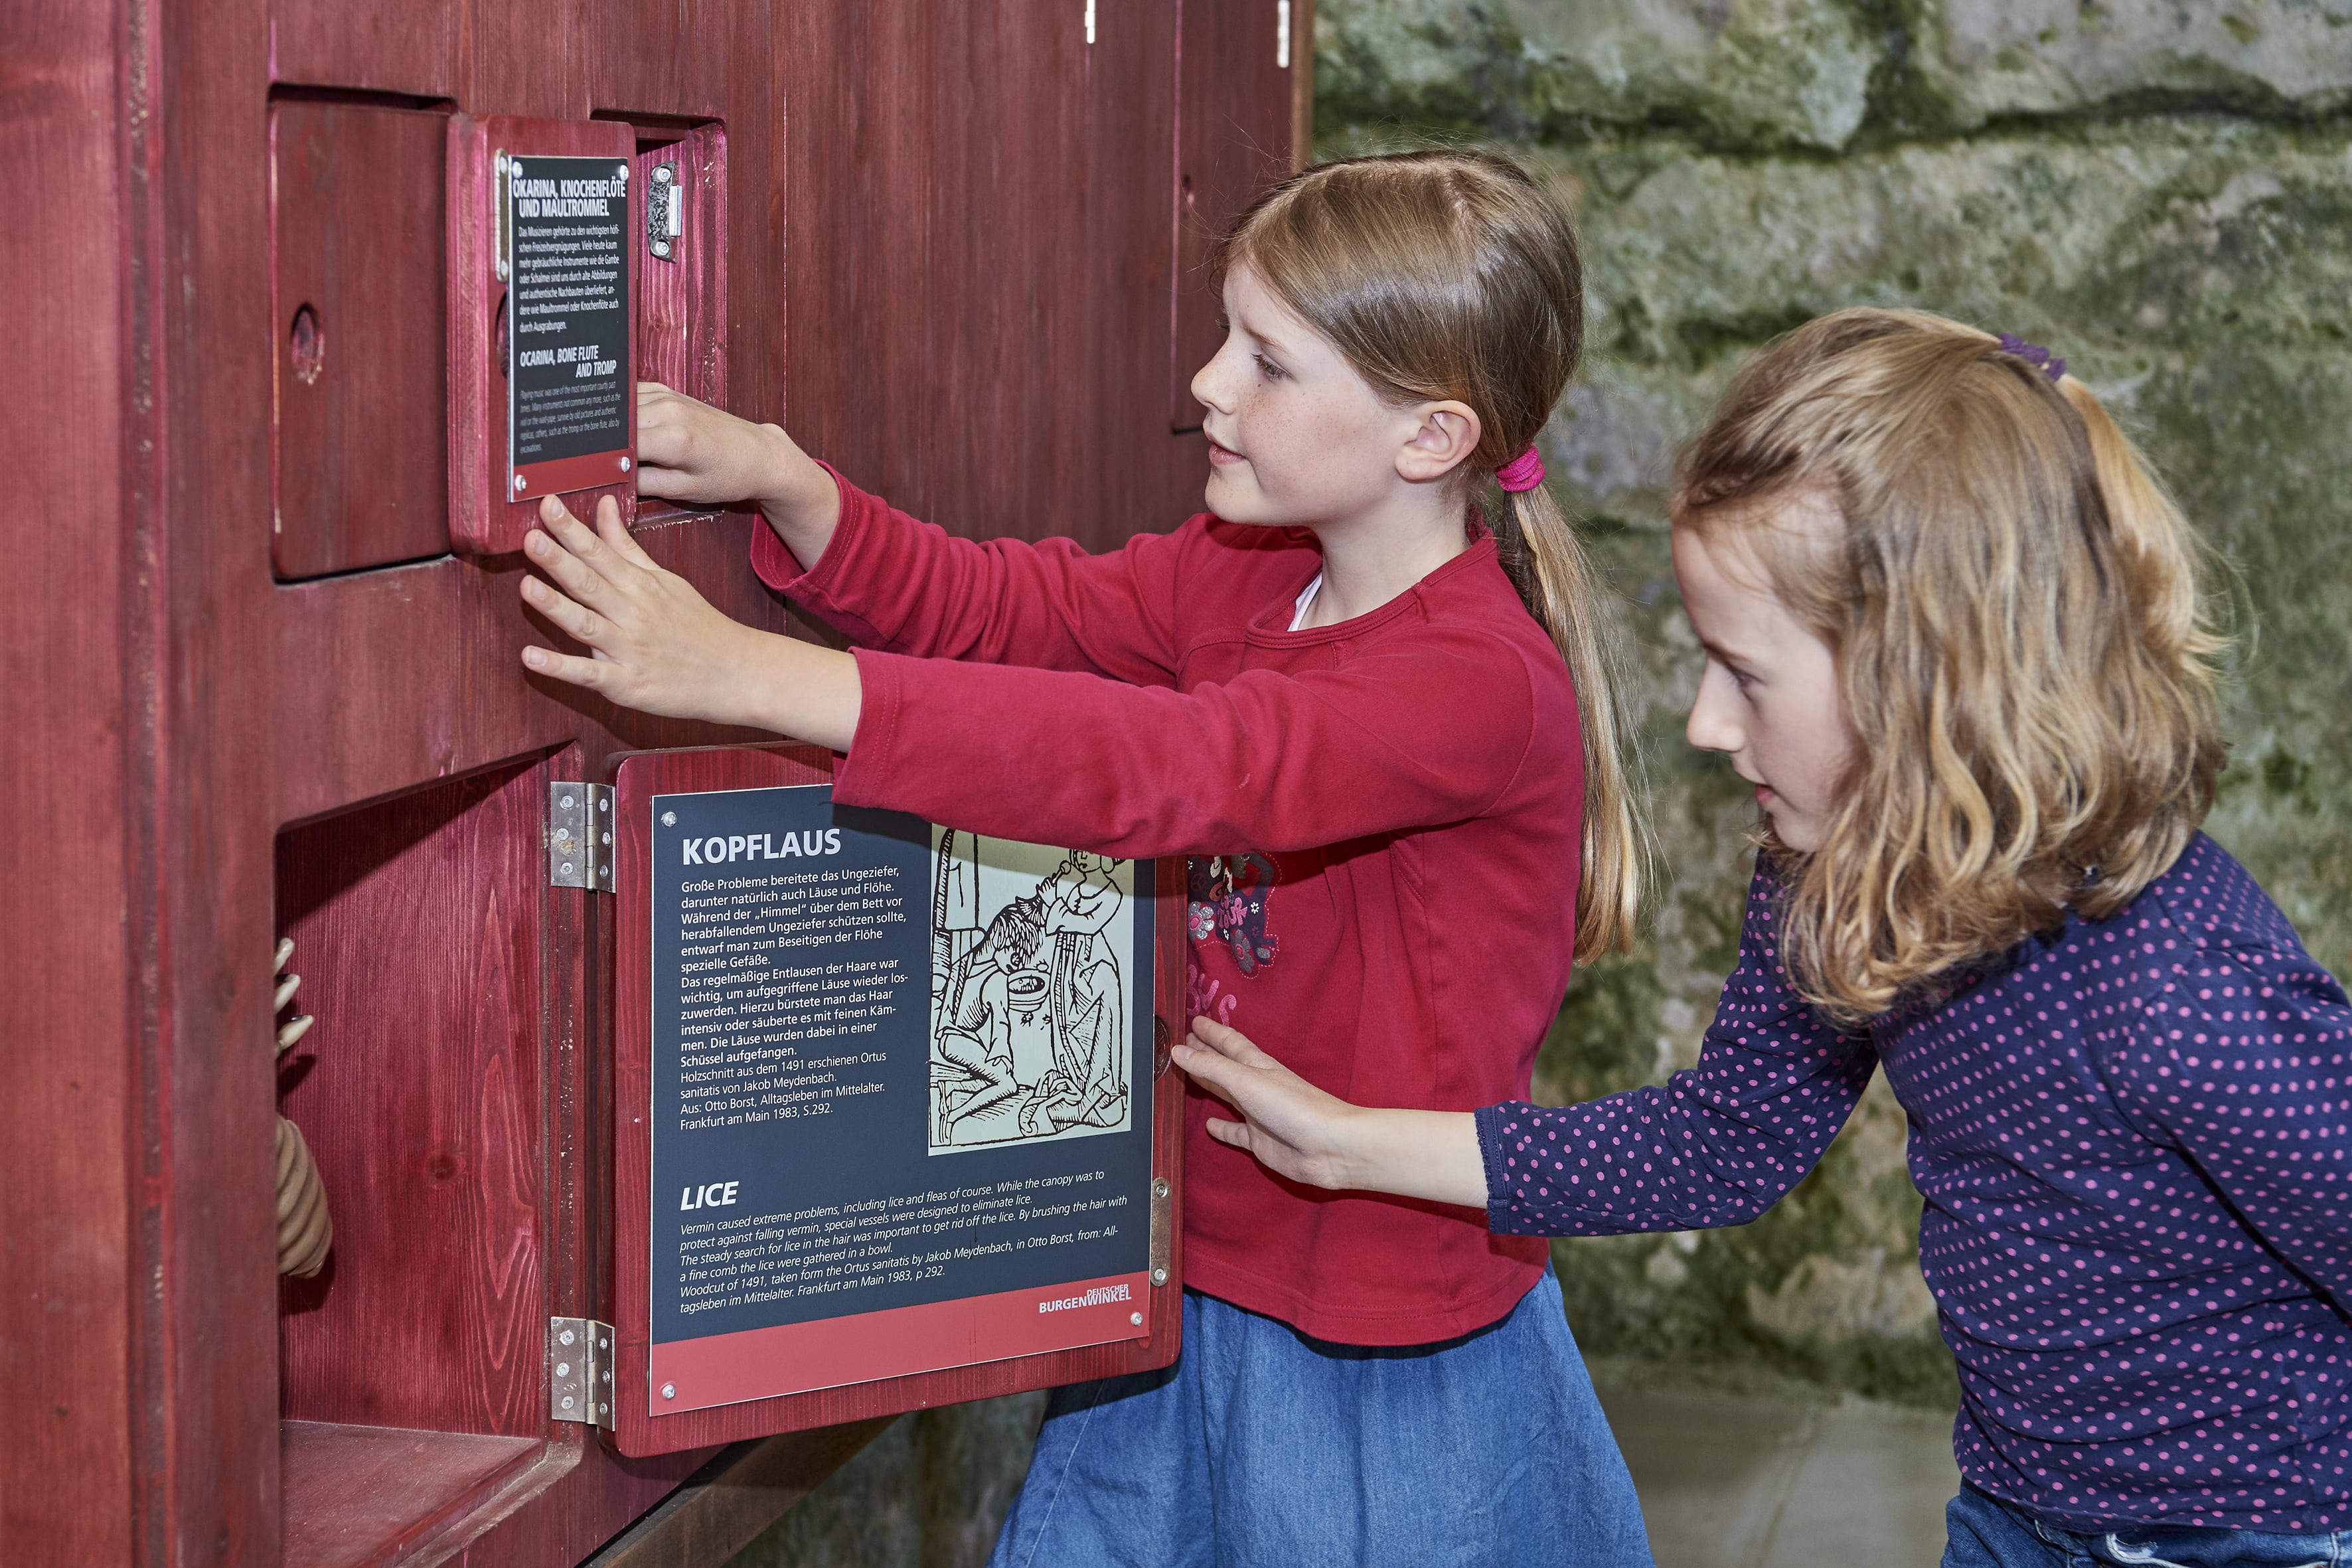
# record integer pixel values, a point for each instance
(1524, 472)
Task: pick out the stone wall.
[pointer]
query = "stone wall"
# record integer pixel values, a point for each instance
(2159, 189)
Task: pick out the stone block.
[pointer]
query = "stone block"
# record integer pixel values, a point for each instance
(1991, 58)
(1738, 72)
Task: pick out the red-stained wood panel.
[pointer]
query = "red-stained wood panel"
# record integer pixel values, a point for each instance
(416, 929)
(368, 1497)
(210, 705)
(383, 46)
(681, 339)
(1234, 130)
(356, 233)
(736, 767)
(73, 1081)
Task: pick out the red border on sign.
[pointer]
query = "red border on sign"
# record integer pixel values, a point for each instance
(794, 1358)
(584, 472)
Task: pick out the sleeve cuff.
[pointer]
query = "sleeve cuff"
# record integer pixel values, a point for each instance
(1500, 1208)
(862, 776)
(781, 570)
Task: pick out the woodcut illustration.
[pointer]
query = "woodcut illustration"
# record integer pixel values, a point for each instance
(1029, 991)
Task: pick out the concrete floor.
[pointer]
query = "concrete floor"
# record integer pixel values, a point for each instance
(1749, 1481)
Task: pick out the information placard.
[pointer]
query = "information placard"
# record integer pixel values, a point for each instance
(564, 228)
(900, 1096)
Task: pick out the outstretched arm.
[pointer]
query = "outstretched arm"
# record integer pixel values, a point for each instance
(1296, 1130)
(884, 579)
(655, 644)
(1717, 1144)
(690, 451)
(1431, 729)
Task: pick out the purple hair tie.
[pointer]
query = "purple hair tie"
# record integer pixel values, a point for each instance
(1524, 472)
(2033, 354)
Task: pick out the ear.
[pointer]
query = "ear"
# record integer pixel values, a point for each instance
(1444, 436)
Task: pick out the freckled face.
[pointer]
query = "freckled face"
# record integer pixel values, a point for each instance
(1296, 435)
(1769, 697)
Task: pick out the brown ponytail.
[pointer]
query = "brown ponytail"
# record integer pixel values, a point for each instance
(1448, 275)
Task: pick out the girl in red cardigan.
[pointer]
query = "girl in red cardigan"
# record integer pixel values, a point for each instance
(1386, 736)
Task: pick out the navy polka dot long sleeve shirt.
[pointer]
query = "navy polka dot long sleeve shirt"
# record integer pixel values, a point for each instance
(2134, 1142)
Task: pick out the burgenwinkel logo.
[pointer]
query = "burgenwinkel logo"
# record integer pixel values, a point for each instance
(1100, 1296)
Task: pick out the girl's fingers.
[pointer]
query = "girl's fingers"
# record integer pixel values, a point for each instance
(583, 624)
(1230, 1043)
(1206, 1067)
(617, 534)
(586, 545)
(562, 563)
(1231, 1133)
(569, 668)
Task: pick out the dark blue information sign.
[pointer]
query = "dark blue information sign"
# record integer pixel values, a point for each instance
(901, 1108)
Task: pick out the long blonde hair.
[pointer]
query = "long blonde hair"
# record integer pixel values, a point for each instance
(1446, 275)
(2027, 669)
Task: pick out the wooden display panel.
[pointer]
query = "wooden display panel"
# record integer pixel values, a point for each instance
(968, 228)
(854, 1349)
(359, 439)
(484, 519)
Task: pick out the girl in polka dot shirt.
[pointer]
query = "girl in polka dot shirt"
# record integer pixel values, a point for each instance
(1953, 638)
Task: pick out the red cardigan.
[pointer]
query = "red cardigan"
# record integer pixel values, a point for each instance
(1406, 786)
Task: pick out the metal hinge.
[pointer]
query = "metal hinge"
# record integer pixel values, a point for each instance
(579, 836)
(580, 1371)
(665, 212)
(1163, 1229)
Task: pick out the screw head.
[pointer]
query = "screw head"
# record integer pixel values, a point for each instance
(1159, 1186)
(661, 174)
(569, 1402)
(564, 1369)
(565, 867)
(1135, 1318)
(565, 802)
(669, 1391)
(661, 248)
(669, 819)
(520, 481)
(1159, 1277)
(624, 465)
(620, 172)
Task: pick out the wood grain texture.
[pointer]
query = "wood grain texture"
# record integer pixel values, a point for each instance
(384, 46)
(663, 772)
(75, 920)
(416, 929)
(682, 300)
(970, 346)
(360, 442)
(368, 1497)
(180, 707)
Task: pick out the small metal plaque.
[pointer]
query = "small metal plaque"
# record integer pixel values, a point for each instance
(564, 225)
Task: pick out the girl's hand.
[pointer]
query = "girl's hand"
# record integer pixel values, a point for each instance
(1296, 1130)
(690, 451)
(656, 645)
(1293, 1127)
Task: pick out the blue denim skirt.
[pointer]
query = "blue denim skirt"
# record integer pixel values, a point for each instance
(1262, 1447)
